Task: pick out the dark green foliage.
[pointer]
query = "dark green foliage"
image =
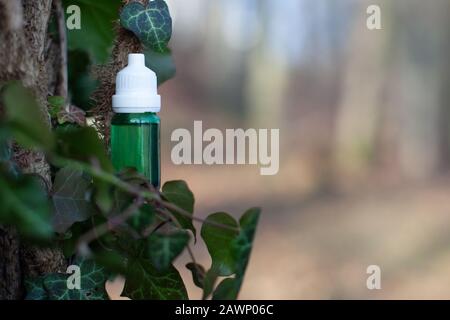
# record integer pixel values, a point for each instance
(81, 82)
(145, 282)
(164, 248)
(82, 143)
(198, 273)
(230, 253)
(71, 199)
(161, 63)
(179, 194)
(25, 204)
(25, 118)
(97, 27)
(219, 242)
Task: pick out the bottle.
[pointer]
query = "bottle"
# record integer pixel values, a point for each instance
(135, 126)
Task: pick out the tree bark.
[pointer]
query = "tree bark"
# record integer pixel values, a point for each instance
(31, 56)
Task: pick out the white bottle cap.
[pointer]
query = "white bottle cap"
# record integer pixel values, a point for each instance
(136, 88)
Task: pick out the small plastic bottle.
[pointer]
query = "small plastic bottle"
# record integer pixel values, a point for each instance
(135, 127)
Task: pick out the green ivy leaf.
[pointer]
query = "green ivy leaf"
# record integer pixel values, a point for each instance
(82, 84)
(82, 143)
(71, 200)
(226, 290)
(35, 289)
(145, 282)
(25, 117)
(241, 249)
(219, 242)
(151, 24)
(164, 248)
(198, 273)
(161, 63)
(179, 194)
(55, 105)
(53, 286)
(97, 27)
(143, 218)
(31, 217)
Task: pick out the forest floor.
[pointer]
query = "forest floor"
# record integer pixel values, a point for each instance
(323, 249)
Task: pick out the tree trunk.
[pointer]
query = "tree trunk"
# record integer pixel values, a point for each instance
(31, 56)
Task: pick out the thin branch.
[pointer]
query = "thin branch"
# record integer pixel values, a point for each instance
(150, 229)
(98, 173)
(183, 212)
(98, 231)
(63, 83)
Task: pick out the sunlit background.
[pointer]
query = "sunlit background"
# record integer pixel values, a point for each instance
(364, 134)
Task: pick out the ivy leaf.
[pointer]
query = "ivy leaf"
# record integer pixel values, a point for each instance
(55, 105)
(161, 63)
(70, 197)
(241, 249)
(82, 84)
(31, 217)
(82, 144)
(93, 278)
(179, 194)
(143, 218)
(35, 289)
(152, 24)
(164, 248)
(219, 242)
(145, 282)
(53, 286)
(226, 290)
(198, 273)
(25, 117)
(97, 27)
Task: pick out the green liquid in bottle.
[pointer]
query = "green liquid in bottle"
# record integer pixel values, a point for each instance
(135, 143)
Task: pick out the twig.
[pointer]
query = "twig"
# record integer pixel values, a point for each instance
(150, 229)
(63, 83)
(183, 212)
(98, 173)
(111, 224)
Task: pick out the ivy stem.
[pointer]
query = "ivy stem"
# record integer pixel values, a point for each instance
(182, 212)
(99, 173)
(111, 224)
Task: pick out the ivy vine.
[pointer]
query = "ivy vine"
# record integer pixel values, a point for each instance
(110, 223)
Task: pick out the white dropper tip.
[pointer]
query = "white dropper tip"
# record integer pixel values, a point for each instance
(136, 59)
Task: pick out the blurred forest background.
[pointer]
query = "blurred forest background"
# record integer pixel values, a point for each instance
(364, 135)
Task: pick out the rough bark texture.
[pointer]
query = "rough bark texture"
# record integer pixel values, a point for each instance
(30, 55)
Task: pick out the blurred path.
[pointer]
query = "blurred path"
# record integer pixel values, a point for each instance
(323, 250)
